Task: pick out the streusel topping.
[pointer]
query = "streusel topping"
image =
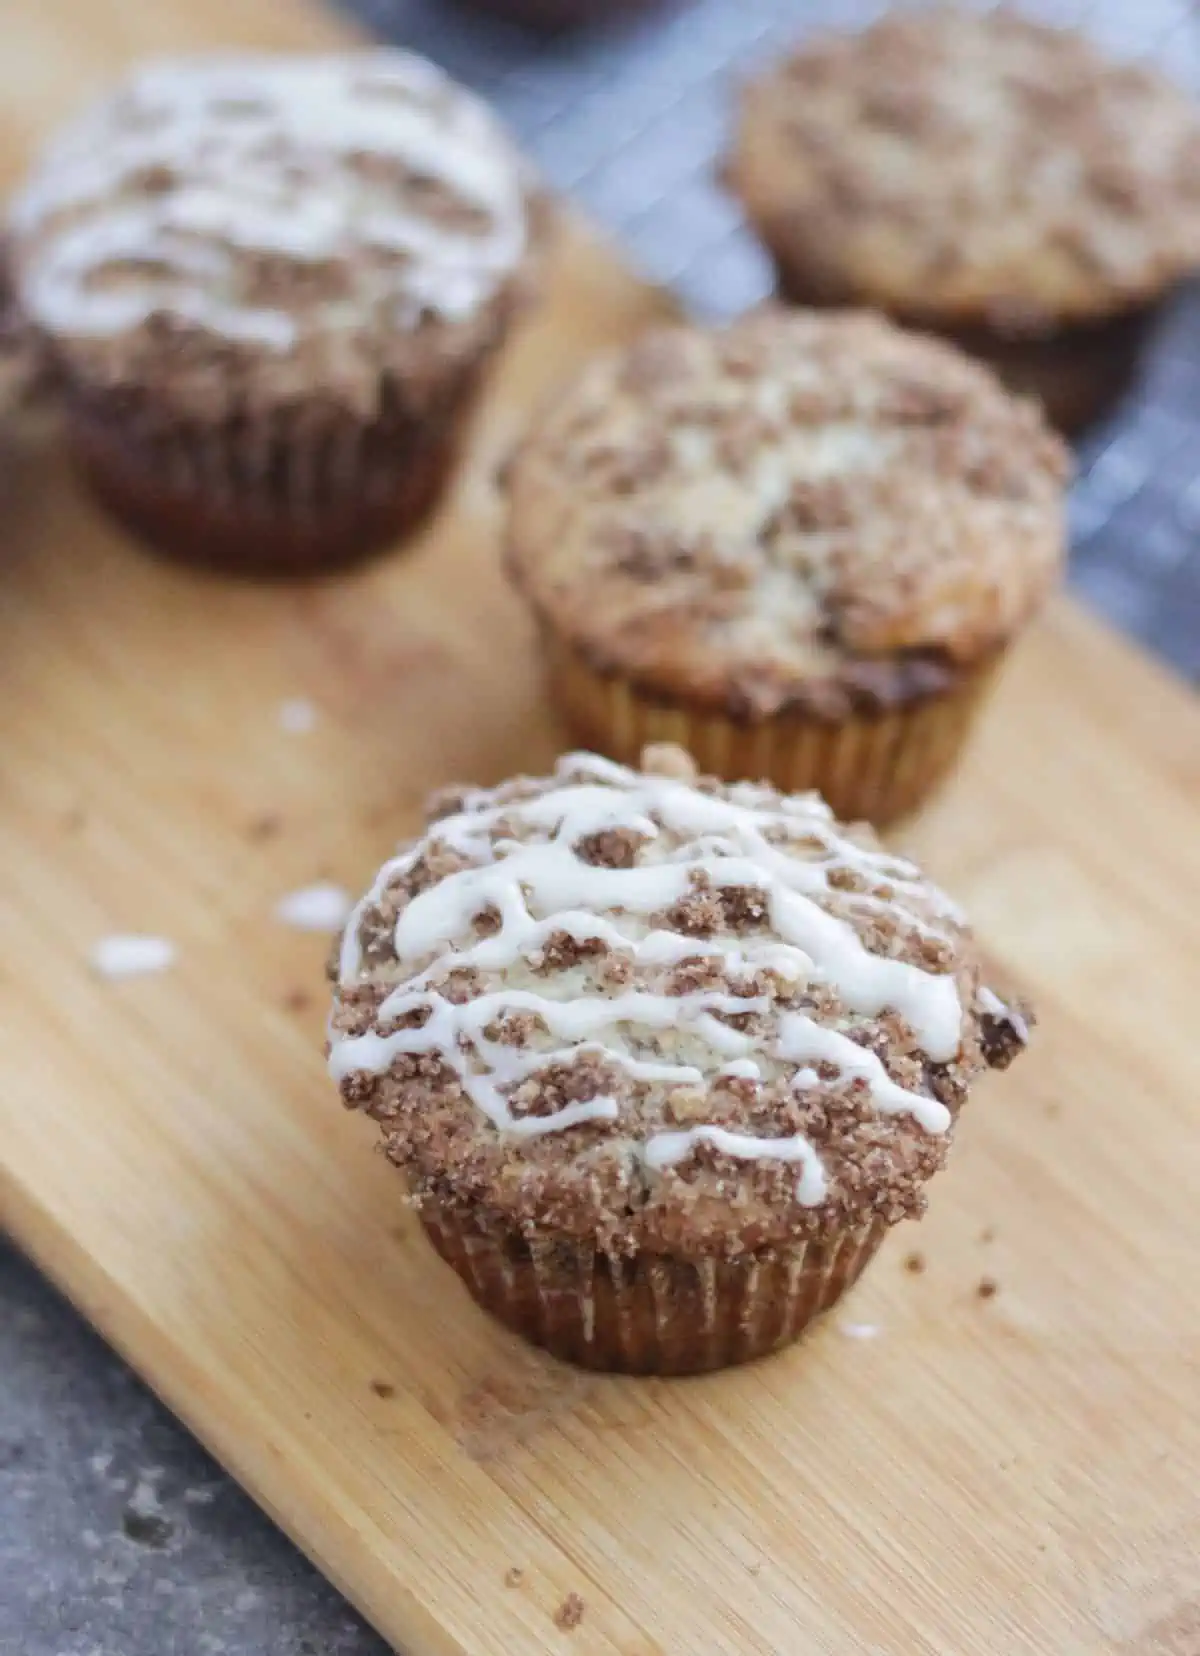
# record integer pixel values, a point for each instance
(306, 213)
(952, 161)
(766, 513)
(651, 1007)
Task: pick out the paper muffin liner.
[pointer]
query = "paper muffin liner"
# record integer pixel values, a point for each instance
(872, 766)
(651, 1313)
(295, 491)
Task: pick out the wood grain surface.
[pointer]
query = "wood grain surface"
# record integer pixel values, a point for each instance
(970, 1475)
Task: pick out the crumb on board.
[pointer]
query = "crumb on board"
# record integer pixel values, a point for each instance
(297, 1000)
(569, 1613)
(988, 1234)
(859, 1330)
(914, 1263)
(74, 820)
(383, 1388)
(297, 715)
(319, 907)
(265, 826)
(514, 1577)
(988, 1288)
(128, 954)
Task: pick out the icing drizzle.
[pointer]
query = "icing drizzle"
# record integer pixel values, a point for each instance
(523, 866)
(164, 197)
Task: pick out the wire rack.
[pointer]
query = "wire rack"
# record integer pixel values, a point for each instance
(628, 121)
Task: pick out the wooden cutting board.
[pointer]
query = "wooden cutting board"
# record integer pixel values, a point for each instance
(934, 1471)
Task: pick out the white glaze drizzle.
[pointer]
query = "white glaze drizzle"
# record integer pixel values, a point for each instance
(264, 155)
(666, 1149)
(540, 887)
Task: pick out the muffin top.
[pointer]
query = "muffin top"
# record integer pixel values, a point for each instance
(239, 226)
(660, 1011)
(802, 509)
(978, 166)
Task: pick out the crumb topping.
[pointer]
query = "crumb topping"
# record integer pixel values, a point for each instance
(740, 1023)
(974, 163)
(798, 508)
(304, 215)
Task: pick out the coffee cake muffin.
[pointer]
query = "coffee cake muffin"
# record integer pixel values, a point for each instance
(799, 546)
(271, 286)
(662, 1059)
(982, 175)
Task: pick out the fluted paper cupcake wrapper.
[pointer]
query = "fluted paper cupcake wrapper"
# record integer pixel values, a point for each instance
(298, 490)
(877, 766)
(652, 1313)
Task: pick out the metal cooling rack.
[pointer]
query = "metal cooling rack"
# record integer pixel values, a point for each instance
(628, 120)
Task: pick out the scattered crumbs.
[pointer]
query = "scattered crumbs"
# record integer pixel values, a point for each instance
(987, 1234)
(569, 1613)
(1053, 1110)
(297, 1000)
(383, 1388)
(915, 1262)
(514, 1577)
(860, 1331)
(321, 907)
(75, 820)
(756, 1569)
(124, 955)
(988, 1288)
(266, 826)
(297, 716)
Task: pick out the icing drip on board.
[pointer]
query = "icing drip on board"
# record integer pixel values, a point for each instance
(165, 198)
(524, 869)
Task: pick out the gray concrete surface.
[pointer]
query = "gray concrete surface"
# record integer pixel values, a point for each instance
(119, 1536)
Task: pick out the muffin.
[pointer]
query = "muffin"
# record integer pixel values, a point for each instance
(270, 287)
(799, 546)
(984, 176)
(661, 1059)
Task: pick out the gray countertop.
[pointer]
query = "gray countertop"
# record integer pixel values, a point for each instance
(119, 1536)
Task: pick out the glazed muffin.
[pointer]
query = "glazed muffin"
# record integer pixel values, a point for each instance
(799, 546)
(985, 176)
(661, 1059)
(270, 287)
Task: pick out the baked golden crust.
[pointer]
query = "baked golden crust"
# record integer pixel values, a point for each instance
(802, 510)
(656, 1012)
(968, 167)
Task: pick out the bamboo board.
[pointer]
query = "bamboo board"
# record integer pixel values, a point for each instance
(1013, 1474)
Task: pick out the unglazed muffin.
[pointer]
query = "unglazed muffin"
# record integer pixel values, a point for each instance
(270, 286)
(799, 546)
(661, 1059)
(981, 175)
